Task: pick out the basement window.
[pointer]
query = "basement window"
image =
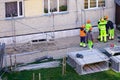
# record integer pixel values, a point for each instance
(89, 4)
(55, 6)
(101, 3)
(14, 9)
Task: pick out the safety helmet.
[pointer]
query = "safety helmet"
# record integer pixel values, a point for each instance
(106, 17)
(88, 21)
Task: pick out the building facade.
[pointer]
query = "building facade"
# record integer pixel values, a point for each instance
(117, 13)
(26, 20)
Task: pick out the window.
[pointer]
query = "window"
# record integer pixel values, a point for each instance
(55, 6)
(13, 9)
(94, 3)
(101, 3)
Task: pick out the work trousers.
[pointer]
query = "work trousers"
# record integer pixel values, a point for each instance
(111, 34)
(103, 35)
(82, 41)
(90, 44)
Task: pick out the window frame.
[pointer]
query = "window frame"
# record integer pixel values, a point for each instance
(58, 5)
(18, 9)
(97, 5)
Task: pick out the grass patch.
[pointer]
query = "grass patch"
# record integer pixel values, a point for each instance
(56, 74)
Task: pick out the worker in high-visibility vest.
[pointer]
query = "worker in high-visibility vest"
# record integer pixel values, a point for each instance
(88, 25)
(109, 28)
(99, 30)
(89, 39)
(102, 27)
(82, 36)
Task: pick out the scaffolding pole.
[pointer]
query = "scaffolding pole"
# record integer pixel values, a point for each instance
(77, 19)
(3, 64)
(13, 33)
(53, 25)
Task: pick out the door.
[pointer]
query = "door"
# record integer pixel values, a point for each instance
(117, 16)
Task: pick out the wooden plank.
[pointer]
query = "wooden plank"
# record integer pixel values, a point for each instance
(87, 69)
(102, 65)
(94, 68)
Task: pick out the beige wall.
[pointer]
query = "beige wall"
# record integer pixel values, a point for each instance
(95, 14)
(33, 7)
(35, 22)
(2, 10)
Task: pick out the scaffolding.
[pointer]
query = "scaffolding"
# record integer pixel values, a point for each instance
(3, 63)
(51, 33)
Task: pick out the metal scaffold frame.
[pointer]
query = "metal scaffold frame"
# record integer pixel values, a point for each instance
(3, 62)
(13, 33)
(52, 16)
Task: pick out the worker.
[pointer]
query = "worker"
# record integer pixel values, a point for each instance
(109, 28)
(82, 36)
(99, 30)
(102, 27)
(89, 39)
(88, 25)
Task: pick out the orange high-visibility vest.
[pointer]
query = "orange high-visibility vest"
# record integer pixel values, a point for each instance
(82, 33)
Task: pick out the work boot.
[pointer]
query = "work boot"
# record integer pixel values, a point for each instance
(81, 44)
(107, 37)
(84, 45)
(112, 38)
(92, 46)
(98, 38)
(105, 41)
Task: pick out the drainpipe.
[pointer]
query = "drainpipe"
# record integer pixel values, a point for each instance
(77, 19)
(53, 25)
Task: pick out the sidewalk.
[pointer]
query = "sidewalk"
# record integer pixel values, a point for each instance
(57, 48)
